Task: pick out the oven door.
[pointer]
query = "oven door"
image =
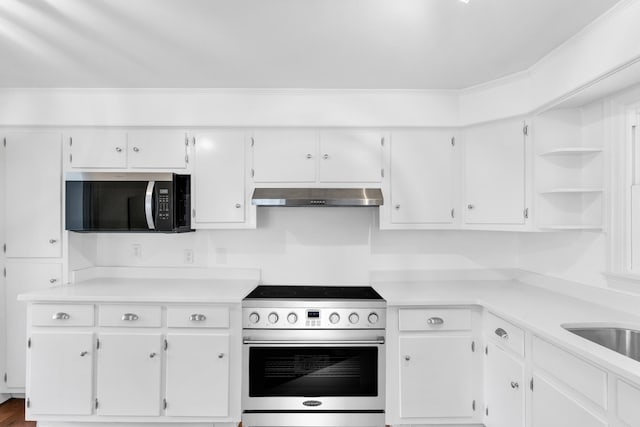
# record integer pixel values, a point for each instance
(319, 370)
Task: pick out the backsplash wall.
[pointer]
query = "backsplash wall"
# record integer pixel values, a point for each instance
(309, 245)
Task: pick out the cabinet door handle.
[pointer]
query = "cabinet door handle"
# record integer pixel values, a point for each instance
(130, 317)
(309, 156)
(470, 206)
(152, 355)
(84, 353)
(238, 205)
(118, 150)
(53, 280)
(60, 316)
(515, 385)
(325, 156)
(197, 317)
(136, 149)
(397, 207)
(407, 358)
(435, 321)
(220, 355)
(502, 333)
(52, 241)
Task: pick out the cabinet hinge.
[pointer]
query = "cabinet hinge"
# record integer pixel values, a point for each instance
(382, 173)
(193, 140)
(525, 130)
(29, 343)
(164, 403)
(253, 173)
(166, 345)
(531, 384)
(486, 411)
(96, 404)
(453, 141)
(186, 158)
(186, 139)
(70, 141)
(453, 213)
(5, 377)
(4, 142)
(70, 158)
(98, 344)
(4, 248)
(486, 350)
(382, 141)
(194, 213)
(253, 141)
(473, 346)
(4, 272)
(28, 403)
(473, 405)
(526, 213)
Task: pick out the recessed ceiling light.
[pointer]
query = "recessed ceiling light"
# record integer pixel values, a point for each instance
(465, 1)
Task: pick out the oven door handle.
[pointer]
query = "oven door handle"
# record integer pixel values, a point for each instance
(380, 340)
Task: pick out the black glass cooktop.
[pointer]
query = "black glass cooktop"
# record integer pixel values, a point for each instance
(314, 292)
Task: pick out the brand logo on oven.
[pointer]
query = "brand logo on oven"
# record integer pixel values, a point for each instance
(312, 403)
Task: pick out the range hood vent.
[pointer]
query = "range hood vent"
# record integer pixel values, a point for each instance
(367, 197)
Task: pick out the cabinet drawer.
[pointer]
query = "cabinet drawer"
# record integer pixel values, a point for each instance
(628, 398)
(197, 317)
(134, 316)
(446, 319)
(61, 315)
(504, 333)
(582, 377)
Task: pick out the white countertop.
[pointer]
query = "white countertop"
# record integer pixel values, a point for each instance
(538, 310)
(120, 289)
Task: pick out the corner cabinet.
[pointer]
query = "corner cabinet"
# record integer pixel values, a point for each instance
(133, 363)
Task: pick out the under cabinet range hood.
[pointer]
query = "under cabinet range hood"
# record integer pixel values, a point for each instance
(366, 197)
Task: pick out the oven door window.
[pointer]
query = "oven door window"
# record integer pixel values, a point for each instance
(313, 371)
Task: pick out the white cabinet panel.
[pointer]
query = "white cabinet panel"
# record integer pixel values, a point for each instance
(22, 277)
(285, 155)
(350, 156)
(129, 372)
(61, 373)
(628, 409)
(97, 148)
(504, 388)
(33, 174)
(157, 149)
(494, 170)
(219, 182)
(422, 177)
(553, 407)
(198, 375)
(436, 376)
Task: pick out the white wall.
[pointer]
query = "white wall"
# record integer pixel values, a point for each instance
(316, 245)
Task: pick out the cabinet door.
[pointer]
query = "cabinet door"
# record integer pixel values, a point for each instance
(198, 375)
(350, 156)
(97, 148)
(129, 371)
(21, 278)
(285, 155)
(436, 376)
(505, 389)
(61, 373)
(553, 407)
(495, 173)
(422, 172)
(219, 186)
(33, 180)
(157, 149)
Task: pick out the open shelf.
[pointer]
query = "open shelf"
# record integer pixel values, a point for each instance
(570, 227)
(571, 150)
(572, 190)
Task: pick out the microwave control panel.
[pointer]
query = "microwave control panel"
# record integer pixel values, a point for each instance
(163, 219)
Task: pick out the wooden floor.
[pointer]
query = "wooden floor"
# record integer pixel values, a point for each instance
(12, 414)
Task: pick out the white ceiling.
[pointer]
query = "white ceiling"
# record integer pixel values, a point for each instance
(394, 44)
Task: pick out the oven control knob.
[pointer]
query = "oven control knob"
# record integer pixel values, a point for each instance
(254, 317)
(273, 317)
(353, 318)
(373, 318)
(292, 318)
(334, 318)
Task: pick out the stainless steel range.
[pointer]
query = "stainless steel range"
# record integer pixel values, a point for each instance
(313, 356)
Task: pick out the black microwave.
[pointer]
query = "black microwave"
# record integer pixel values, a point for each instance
(130, 202)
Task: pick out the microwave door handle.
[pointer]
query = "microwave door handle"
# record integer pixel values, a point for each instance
(148, 201)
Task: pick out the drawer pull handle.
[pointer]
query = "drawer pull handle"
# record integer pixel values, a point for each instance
(84, 353)
(435, 321)
(220, 355)
(152, 355)
(502, 333)
(515, 385)
(130, 317)
(407, 358)
(197, 317)
(60, 316)
(53, 280)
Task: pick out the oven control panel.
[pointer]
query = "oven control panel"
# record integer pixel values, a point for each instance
(313, 318)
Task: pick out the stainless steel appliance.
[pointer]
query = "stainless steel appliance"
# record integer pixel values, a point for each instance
(127, 202)
(313, 356)
(365, 197)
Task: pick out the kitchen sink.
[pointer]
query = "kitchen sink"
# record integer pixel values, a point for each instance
(622, 340)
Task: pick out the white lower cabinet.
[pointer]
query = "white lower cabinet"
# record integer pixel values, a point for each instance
(628, 410)
(129, 372)
(197, 392)
(504, 388)
(61, 373)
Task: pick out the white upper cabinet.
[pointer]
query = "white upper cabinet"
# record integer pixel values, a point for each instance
(350, 156)
(331, 157)
(494, 173)
(33, 182)
(97, 148)
(121, 149)
(285, 156)
(219, 194)
(422, 177)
